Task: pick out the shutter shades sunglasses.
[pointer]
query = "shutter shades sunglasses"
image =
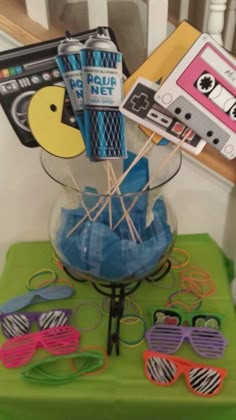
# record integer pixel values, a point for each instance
(206, 342)
(164, 370)
(15, 324)
(19, 350)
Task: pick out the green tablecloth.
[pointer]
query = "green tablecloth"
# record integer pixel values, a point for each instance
(122, 391)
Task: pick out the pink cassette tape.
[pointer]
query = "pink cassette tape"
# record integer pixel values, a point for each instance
(201, 92)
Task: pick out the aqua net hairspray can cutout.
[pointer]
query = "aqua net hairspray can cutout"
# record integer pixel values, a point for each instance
(103, 94)
(69, 63)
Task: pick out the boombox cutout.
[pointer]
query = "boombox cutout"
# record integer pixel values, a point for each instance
(24, 71)
(201, 92)
(140, 106)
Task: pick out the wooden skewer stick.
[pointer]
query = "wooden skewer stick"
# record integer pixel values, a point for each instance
(154, 176)
(107, 169)
(144, 149)
(130, 223)
(141, 153)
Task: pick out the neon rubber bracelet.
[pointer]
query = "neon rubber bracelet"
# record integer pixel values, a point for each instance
(191, 306)
(41, 273)
(197, 280)
(57, 261)
(182, 252)
(48, 282)
(96, 372)
(140, 340)
(195, 269)
(133, 345)
(99, 312)
(190, 284)
(129, 304)
(133, 318)
(179, 303)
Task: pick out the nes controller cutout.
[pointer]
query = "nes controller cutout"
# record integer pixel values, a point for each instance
(201, 92)
(140, 106)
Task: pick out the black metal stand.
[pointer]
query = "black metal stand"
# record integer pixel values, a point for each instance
(117, 294)
(72, 276)
(117, 303)
(161, 273)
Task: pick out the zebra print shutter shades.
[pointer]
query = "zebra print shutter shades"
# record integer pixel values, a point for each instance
(15, 324)
(164, 370)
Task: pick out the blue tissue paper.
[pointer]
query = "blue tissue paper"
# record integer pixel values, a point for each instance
(111, 255)
(97, 250)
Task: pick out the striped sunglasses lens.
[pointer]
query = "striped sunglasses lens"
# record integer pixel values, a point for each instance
(17, 324)
(14, 325)
(54, 318)
(205, 381)
(160, 370)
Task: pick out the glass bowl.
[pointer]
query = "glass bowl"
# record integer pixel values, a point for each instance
(119, 238)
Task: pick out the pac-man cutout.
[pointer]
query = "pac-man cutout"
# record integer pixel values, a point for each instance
(45, 121)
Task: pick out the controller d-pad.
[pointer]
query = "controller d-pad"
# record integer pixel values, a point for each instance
(139, 102)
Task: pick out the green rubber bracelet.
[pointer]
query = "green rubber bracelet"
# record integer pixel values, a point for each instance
(136, 342)
(40, 273)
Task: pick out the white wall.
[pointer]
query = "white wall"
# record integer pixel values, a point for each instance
(26, 193)
(204, 202)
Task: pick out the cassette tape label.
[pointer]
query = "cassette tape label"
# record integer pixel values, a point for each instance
(202, 81)
(223, 67)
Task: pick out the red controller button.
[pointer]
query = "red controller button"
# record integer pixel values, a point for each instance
(178, 128)
(190, 134)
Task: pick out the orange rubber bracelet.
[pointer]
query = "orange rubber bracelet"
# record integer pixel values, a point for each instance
(179, 303)
(66, 281)
(197, 280)
(106, 359)
(188, 306)
(182, 252)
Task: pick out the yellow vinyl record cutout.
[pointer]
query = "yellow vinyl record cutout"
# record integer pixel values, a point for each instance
(45, 116)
